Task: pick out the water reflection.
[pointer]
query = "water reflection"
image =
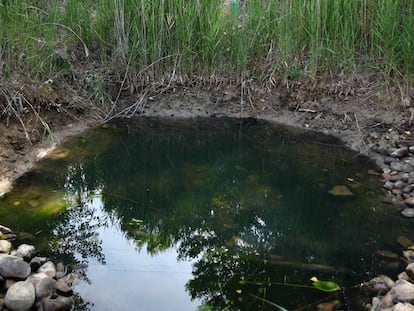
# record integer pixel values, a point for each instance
(226, 211)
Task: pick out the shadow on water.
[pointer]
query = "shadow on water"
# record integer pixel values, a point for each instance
(213, 212)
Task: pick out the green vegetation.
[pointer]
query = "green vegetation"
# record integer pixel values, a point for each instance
(187, 41)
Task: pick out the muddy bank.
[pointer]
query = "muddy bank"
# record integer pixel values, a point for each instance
(372, 123)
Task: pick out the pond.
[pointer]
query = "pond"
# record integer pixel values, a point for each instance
(212, 213)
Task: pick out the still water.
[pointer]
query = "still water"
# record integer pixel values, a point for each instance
(220, 213)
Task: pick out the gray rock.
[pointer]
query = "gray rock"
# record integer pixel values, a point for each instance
(399, 184)
(402, 291)
(14, 267)
(25, 251)
(49, 268)
(59, 303)
(403, 307)
(381, 284)
(35, 278)
(396, 166)
(46, 287)
(20, 296)
(388, 185)
(5, 246)
(400, 152)
(408, 212)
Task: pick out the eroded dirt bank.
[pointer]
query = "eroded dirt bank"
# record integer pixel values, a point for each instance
(368, 119)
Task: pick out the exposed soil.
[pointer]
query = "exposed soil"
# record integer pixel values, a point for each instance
(365, 116)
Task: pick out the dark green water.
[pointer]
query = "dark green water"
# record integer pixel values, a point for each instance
(171, 215)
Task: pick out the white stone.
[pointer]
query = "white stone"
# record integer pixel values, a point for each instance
(20, 296)
(5, 246)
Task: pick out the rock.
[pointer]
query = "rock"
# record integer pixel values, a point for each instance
(5, 246)
(59, 303)
(409, 255)
(402, 291)
(14, 267)
(381, 284)
(20, 296)
(399, 184)
(396, 166)
(45, 288)
(400, 152)
(409, 201)
(5, 230)
(49, 268)
(404, 242)
(9, 283)
(410, 269)
(60, 270)
(329, 306)
(388, 255)
(35, 278)
(36, 262)
(408, 212)
(63, 288)
(388, 185)
(403, 276)
(340, 190)
(25, 251)
(403, 307)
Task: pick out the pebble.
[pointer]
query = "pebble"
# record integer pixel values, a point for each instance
(399, 153)
(408, 212)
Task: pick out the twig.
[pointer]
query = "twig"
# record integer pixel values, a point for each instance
(306, 110)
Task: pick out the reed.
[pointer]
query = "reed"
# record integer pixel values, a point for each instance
(299, 38)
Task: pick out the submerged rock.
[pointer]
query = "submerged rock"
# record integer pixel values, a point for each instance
(340, 191)
(381, 284)
(404, 241)
(408, 212)
(20, 296)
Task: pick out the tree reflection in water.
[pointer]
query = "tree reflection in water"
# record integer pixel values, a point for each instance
(232, 203)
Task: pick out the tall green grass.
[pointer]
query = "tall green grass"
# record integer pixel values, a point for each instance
(196, 37)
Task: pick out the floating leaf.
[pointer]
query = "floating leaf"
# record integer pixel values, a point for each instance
(238, 291)
(325, 286)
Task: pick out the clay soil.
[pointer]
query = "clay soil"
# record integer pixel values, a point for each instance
(366, 116)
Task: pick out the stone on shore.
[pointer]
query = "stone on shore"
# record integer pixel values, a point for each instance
(20, 296)
(399, 153)
(48, 268)
(14, 267)
(45, 288)
(5, 246)
(25, 251)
